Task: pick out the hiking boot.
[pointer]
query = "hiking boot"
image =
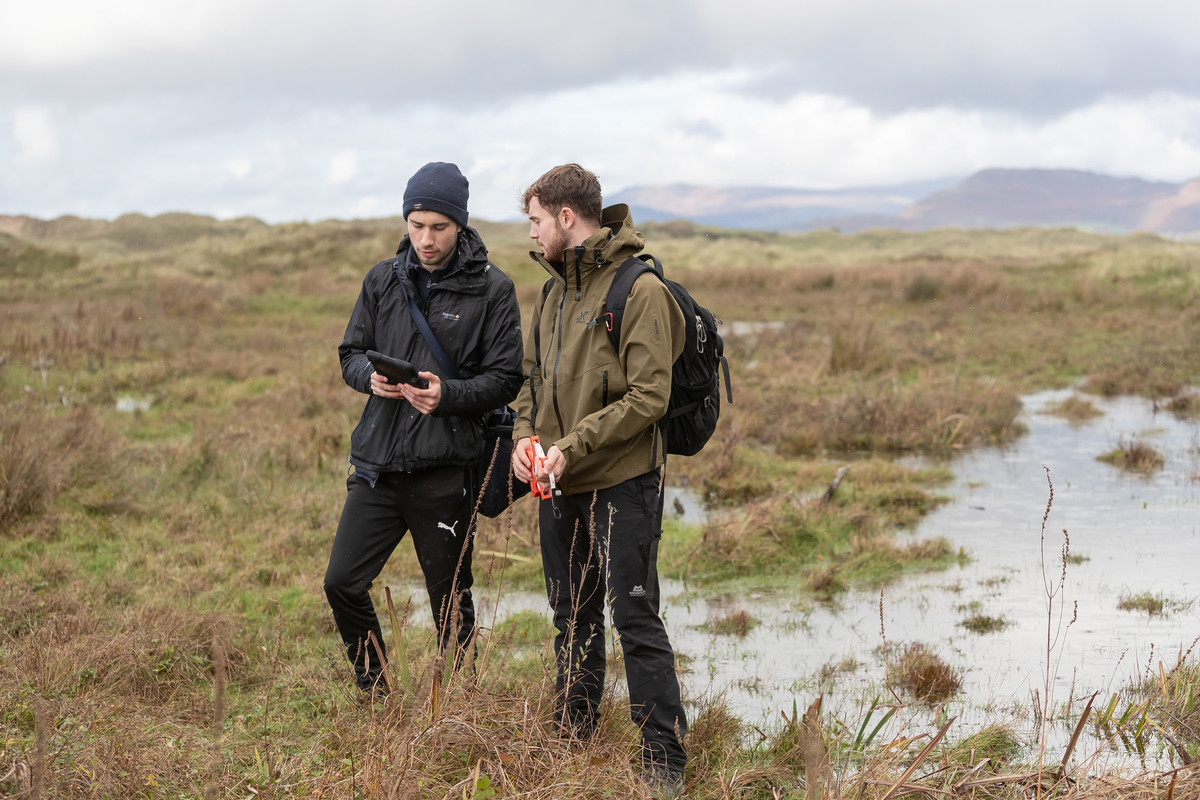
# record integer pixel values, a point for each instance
(664, 782)
(376, 690)
(575, 727)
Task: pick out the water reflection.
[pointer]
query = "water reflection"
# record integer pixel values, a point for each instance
(1132, 534)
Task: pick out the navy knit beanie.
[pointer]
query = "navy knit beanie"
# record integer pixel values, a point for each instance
(438, 186)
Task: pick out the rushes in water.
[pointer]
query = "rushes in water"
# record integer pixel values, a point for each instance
(1133, 456)
(923, 674)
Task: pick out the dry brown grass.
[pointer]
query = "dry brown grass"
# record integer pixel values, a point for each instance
(919, 671)
(735, 623)
(1134, 455)
(1075, 409)
(43, 450)
(1185, 405)
(163, 633)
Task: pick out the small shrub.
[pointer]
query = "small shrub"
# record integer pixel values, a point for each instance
(1173, 701)
(936, 415)
(853, 349)
(29, 477)
(43, 450)
(1075, 409)
(922, 289)
(1136, 376)
(1133, 456)
(1152, 604)
(984, 623)
(923, 674)
(825, 582)
(1185, 406)
(996, 743)
(736, 623)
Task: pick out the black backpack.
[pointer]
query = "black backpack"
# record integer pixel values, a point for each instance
(695, 400)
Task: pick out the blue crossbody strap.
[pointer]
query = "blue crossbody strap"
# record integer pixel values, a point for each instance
(423, 327)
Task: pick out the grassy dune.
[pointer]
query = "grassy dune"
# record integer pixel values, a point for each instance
(173, 436)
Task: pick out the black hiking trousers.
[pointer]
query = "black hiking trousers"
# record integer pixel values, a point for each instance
(606, 542)
(436, 506)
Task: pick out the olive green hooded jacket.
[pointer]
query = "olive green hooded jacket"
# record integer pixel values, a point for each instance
(597, 404)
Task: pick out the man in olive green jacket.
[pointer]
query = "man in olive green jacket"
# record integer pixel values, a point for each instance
(595, 411)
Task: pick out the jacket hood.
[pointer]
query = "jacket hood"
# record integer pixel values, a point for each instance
(616, 241)
(471, 253)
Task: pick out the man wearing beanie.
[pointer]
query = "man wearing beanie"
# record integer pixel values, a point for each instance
(414, 449)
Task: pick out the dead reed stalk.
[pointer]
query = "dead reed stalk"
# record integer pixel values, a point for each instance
(1056, 630)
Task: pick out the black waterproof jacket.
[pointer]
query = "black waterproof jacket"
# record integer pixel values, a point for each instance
(474, 315)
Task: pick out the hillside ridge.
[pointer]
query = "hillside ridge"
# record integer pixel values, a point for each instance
(990, 198)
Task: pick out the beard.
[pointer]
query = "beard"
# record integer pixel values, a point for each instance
(553, 248)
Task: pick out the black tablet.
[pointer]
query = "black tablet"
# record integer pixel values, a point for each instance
(395, 370)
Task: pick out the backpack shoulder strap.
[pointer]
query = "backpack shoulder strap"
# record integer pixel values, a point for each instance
(618, 294)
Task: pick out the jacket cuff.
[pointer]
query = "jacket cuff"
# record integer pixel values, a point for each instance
(446, 403)
(569, 445)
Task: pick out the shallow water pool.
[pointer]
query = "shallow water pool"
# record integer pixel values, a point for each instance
(1128, 535)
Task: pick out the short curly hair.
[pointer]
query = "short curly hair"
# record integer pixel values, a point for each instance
(570, 186)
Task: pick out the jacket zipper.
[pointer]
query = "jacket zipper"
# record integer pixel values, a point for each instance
(562, 302)
(604, 389)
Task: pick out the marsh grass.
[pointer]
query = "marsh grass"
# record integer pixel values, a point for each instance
(163, 632)
(1075, 409)
(1133, 455)
(1151, 603)
(922, 289)
(1185, 405)
(918, 670)
(831, 547)
(983, 623)
(736, 623)
(998, 744)
(978, 621)
(42, 453)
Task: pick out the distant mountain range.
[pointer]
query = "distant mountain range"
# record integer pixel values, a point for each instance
(992, 198)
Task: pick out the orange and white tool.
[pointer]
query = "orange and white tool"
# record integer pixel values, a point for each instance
(537, 459)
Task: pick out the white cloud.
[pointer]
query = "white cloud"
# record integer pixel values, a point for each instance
(239, 167)
(701, 129)
(61, 33)
(1029, 56)
(690, 128)
(301, 112)
(35, 136)
(343, 167)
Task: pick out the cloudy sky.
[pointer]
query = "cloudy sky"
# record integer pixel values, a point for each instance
(311, 110)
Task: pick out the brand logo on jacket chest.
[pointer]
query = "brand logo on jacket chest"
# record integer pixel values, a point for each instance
(582, 319)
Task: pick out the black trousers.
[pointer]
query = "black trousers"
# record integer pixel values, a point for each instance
(605, 546)
(435, 505)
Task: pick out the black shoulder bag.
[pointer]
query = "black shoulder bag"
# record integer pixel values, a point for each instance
(493, 471)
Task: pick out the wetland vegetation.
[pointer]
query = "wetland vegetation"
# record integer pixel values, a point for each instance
(172, 462)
